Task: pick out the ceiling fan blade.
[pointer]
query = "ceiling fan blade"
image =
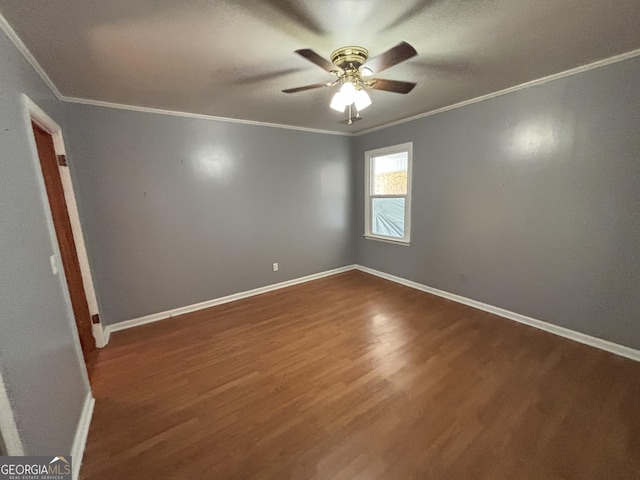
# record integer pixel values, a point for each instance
(295, 11)
(302, 89)
(265, 77)
(395, 55)
(313, 57)
(395, 86)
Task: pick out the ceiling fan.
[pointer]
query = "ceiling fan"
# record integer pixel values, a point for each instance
(355, 75)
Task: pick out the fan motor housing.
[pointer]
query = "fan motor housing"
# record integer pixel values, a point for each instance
(346, 57)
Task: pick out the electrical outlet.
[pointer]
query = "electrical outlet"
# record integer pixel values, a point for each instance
(275, 267)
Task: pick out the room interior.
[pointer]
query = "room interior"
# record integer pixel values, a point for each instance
(219, 211)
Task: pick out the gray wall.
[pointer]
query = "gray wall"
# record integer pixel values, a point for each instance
(179, 210)
(39, 357)
(529, 201)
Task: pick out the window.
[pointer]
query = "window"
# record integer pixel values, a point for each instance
(388, 193)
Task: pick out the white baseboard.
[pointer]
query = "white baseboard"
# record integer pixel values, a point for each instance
(217, 301)
(606, 345)
(99, 335)
(80, 439)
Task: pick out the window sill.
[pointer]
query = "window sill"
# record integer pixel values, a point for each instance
(404, 243)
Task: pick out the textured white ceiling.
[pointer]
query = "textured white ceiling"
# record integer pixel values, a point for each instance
(231, 59)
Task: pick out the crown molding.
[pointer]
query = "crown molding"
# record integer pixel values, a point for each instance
(464, 103)
(22, 48)
(567, 73)
(19, 44)
(159, 111)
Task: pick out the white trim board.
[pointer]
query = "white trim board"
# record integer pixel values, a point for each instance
(539, 81)
(135, 322)
(533, 83)
(39, 116)
(201, 116)
(99, 334)
(26, 53)
(611, 347)
(370, 195)
(82, 431)
(19, 44)
(22, 48)
(33, 113)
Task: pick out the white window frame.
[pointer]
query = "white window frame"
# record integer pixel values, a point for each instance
(368, 196)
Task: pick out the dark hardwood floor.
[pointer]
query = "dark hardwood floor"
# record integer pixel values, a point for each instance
(355, 377)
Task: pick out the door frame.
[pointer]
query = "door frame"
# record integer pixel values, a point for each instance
(33, 113)
(10, 438)
(9, 433)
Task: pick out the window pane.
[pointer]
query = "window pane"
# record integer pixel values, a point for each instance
(388, 217)
(390, 174)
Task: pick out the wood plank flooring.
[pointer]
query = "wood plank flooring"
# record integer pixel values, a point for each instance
(355, 377)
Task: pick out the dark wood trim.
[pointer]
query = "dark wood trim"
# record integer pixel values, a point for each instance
(66, 243)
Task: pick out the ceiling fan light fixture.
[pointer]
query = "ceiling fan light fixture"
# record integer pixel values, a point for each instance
(337, 103)
(362, 100)
(353, 76)
(348, 93)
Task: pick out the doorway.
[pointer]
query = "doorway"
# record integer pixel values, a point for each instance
(73, 259)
